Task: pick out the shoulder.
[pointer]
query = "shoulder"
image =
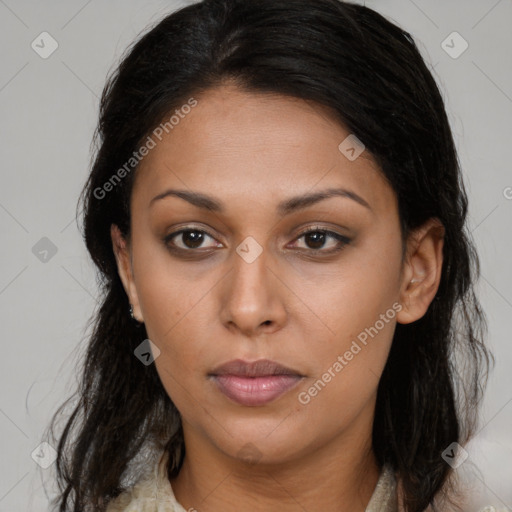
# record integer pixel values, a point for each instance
(144, 497)
(153, 493)
(138, 498)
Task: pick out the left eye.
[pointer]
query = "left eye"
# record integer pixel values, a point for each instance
(316, 239)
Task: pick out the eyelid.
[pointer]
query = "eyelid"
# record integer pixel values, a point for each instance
(316, 227)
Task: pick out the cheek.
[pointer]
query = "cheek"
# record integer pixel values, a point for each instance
(348, 365)
(182, 344)
(174, 307)
(357, 303)
(165, 290)
(350, 294)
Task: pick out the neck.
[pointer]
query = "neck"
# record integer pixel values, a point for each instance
(333, 477)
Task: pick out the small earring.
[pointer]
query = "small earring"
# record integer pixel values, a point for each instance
(133, 316)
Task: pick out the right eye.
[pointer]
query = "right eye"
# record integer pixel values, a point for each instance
(190, 239)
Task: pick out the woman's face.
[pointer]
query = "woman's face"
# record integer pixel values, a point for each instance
(244, 282)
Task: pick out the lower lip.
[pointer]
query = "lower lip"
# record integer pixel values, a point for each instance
(254, 391)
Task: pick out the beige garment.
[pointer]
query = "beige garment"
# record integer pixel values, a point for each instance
(155, 494)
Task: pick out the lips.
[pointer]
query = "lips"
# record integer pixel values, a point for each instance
(254, 383)
(260, 368)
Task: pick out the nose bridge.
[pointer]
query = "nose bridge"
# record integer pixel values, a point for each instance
(253, 293)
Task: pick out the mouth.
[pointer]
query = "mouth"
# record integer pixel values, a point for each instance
(254, 383)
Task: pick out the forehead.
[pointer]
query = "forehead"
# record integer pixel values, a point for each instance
(239, 145)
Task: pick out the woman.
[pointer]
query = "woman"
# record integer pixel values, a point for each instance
(276, 201)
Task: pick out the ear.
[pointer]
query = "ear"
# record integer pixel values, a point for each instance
(122, 254)
(422, 270)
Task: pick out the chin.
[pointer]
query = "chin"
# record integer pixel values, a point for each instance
(262, 448)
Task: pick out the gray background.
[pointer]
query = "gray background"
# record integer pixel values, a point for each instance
(48, 111)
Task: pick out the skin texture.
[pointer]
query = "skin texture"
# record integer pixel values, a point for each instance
(291, 304)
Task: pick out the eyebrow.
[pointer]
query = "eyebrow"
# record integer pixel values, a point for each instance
(285, 207)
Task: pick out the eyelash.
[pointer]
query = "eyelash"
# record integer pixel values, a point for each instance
(343, 240)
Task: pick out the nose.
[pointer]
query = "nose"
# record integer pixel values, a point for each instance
(253, 296)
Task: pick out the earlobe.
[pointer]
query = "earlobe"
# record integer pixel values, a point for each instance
(124, 268)
(423, 271)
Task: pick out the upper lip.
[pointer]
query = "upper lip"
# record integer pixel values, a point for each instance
(260, 368)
